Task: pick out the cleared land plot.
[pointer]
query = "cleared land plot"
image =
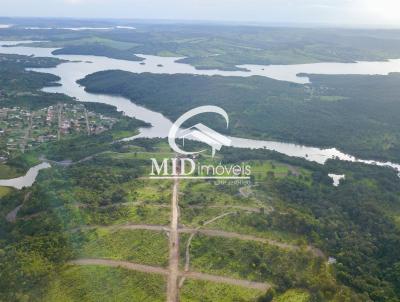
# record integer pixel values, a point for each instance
(249, 260)
(98, 283)
(141, 246)
(205, 291)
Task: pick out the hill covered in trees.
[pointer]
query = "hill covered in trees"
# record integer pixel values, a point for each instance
(357, 114)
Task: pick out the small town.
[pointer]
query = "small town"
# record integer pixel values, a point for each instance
(22, 130)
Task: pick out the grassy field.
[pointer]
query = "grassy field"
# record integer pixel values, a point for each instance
(4, 191)
(204, 291)
(261, 170)
(254, 261)
(95, 283)
(117, 135)
(142, 155)
(241, 222)
(140, 246)
(7, 172)
(207, 193)
(246, 215)
(90, 40)
(152, 191)
(72, 216)
(293, 296)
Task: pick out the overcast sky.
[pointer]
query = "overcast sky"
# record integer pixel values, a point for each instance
(338, 12)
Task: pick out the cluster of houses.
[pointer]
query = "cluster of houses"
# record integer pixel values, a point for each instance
(21, 129)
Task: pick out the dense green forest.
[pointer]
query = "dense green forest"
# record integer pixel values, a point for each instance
(98, 49)
(19, 87)
(357, 114)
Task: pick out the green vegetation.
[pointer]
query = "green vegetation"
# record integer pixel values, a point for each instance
(73, 216)
(137, 246)
(203, 291)
(260, 262)
(307, 210)
(18, 62)
(120, 45)
(95, 283)
(98, 49)
(73, 209)
(262, 170)
(4, 191)
(294, 296)
(7, 172)
(21, 88)
(23, 130)
(78, 148)
(212, 46)
(201, 202)
(365, 123)
(353, 223)
(34, 250)
(25, 109)
(306, 207)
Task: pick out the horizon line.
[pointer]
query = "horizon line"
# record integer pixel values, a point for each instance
(220, 22)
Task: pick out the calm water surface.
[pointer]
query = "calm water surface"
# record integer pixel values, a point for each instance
(24, 181)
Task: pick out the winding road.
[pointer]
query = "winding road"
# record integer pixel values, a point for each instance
(209, 232)
(12, 216)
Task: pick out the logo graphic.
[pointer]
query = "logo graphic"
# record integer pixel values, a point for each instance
(184, 167)
(198, 132)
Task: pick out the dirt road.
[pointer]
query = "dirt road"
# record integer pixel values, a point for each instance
(59, 117)
(28, 133)
(162, 271)
(124, 264)
(189, 242)
(208, 232)
(87, 122)
(148, 227)
(219, 233)
(172, 286)
(232, 207)
(12, 216)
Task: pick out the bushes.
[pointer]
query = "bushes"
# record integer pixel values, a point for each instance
(353, 227)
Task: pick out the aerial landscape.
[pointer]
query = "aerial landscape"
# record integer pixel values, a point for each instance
(199, 151)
